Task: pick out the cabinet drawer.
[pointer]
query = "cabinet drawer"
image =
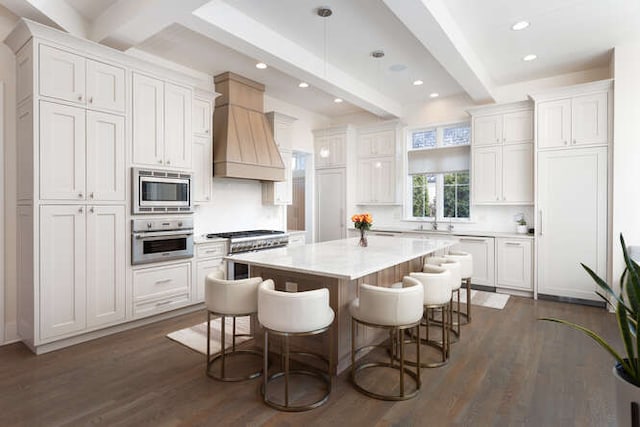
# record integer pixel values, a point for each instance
(161, 280)
(159, 305)
(209, 250)
(297, 240)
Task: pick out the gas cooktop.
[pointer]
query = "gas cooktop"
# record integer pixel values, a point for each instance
(242, 234)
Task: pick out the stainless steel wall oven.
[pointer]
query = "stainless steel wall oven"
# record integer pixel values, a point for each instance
(156, 240)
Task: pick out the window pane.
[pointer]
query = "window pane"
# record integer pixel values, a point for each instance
(424, 139)
(456, 195)
(463, 177)
(424, 195)
(449, 201)
(463, 202)
(457, 135)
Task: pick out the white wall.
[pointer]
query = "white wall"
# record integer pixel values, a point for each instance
(8, 288)
(626, 152)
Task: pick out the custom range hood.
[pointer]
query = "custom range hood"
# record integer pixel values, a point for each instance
(243, 144)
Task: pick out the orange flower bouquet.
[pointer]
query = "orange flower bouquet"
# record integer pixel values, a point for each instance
(363, 223)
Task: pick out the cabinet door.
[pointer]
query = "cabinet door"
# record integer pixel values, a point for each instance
(178, 141)
(148, 125)
(105, 86)
(62, 270)
(106, 248)
(204, 268)
(517, 173)
(589, 119)
(364, 185)
(487, 175)
(283, 191)
(554, 123)
(330, 151)
(377, 144)
(514, 264)
(62, 152)
(383, 180)
(517, 127)
(482, 250)
(62, 75)
(106, 173)
(202, 168)
(487, 130)
(572, 226)
(330, 204)
(202, 117)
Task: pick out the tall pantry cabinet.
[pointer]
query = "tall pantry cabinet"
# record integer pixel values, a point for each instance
(573, 134)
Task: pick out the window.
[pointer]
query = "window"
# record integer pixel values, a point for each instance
(438, 161)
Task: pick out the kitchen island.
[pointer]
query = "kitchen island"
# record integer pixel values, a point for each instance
(340, 266)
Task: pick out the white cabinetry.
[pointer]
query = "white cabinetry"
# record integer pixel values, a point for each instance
(514, 264)
(482, 249)
(330, 204)
(376, 166)
(297, 239)
(580, 120)
(82, 154)
(502, 154)
(161, 123)
(202, 149)
(208, 259)
(82, 275)
(73, 78)
(330, 148)
(159, 289)
(280, 193)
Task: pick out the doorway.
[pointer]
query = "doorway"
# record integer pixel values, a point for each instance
(298, 211)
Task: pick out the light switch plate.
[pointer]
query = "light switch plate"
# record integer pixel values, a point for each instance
(291, 287)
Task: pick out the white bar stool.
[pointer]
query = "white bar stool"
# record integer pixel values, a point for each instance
(455, 268)
(466, 261)
(395, 309)
(293, 314)
(437, 295)
(229, 298)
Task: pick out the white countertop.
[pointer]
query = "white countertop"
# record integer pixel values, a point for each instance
(344, 259)
(454, 233)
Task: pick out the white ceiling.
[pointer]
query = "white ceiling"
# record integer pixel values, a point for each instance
(454, 46)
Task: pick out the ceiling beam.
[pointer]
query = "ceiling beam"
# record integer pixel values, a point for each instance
(432, 24)
(229, 26)
(27, 9)
(128, 23)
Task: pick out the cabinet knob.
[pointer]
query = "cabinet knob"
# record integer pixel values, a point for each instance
(80, 97)
(80, 195)
(574, 141)
(565, 143)
(497, 139)
(504, 139)
(160, 161)
(206, 131)
(91, 195)
(80, 210)
(206, 197)
(91, 100)
(91, 209)
(168, 162)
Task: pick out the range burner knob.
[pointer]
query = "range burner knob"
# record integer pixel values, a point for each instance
(179, 223)
(149, 225)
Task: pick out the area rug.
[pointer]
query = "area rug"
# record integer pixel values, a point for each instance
(485, 299)
(195, 337)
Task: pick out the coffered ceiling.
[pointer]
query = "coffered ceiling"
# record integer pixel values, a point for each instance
(453, 46)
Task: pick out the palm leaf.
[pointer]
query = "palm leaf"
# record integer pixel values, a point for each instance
(625, 333)
(606, 287)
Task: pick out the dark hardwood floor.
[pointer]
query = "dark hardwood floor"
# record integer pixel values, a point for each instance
(508, 369)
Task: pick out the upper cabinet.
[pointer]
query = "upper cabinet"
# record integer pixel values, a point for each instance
(82, 81)
(502, 154)
(202, 117)
(274, 192)
(162, 123)
(569, 119)
(330, 146)
(376, 166)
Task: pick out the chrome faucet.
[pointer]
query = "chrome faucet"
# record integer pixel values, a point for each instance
(434, 224)
(450, 226)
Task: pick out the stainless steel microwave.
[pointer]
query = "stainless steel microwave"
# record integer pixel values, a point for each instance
(160, 191)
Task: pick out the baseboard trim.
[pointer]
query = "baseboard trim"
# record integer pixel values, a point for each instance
(571, 300)
(67, 342)
(483, 288)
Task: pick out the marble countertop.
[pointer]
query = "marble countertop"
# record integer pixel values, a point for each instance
(344, 259)
(454, 233)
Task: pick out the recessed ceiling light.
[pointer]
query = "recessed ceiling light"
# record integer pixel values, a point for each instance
(337, 100)
(434, 95)
(418, 82)
(521, 25)
(530, 57)
(303, 84)
(261, 65)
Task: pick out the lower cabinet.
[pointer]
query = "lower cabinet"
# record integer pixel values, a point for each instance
(482, 249)
(82, 268)
(208, 259)
(515, 264)
(297, 239)
(158, 289)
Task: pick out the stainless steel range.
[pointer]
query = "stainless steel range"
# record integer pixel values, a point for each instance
(249, 241)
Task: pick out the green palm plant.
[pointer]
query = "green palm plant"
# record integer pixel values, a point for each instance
(627, 314)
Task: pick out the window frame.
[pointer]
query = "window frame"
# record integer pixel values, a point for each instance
(408, 182)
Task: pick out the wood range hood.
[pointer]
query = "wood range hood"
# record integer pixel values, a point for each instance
(243, 144)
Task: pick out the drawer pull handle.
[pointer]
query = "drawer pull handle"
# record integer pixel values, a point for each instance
(211, 251)
(472, 240)
(158, 282)
(512, 244)
(164, 303)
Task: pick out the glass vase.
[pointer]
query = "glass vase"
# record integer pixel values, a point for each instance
(363, 238)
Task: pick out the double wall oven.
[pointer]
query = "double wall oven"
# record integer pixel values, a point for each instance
(156, 239)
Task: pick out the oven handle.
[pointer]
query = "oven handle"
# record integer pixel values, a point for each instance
(161, 234)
